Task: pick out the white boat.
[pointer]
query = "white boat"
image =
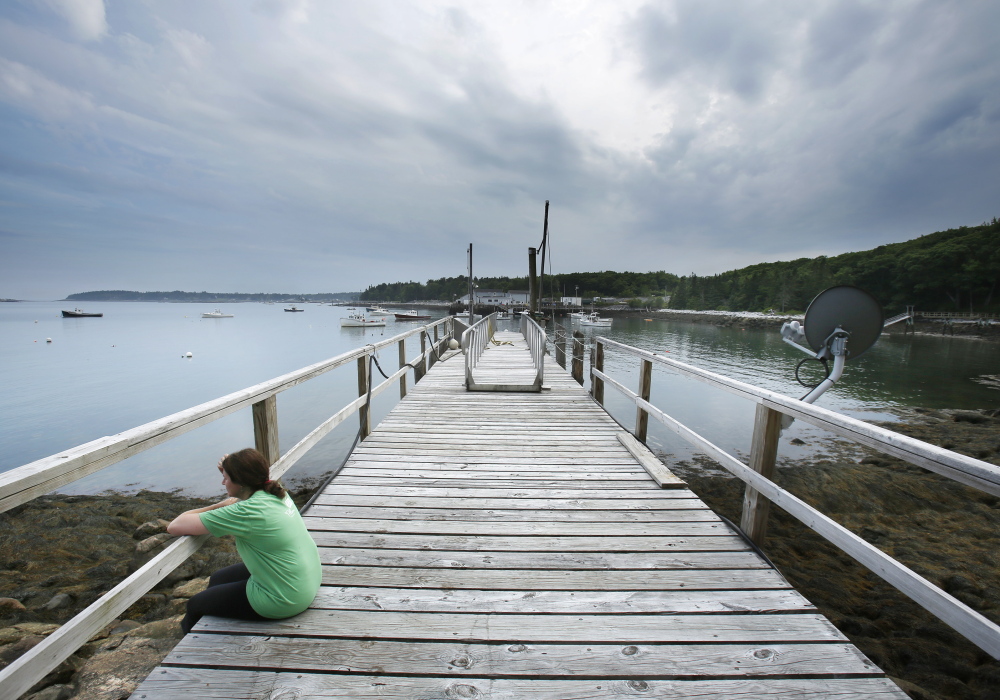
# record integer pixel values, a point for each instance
(594, 320)
(216, 314)
(293, 308)
(378, 311)
(358, 320)
(577, 315)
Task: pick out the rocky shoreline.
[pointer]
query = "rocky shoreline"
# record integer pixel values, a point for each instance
(82, 546)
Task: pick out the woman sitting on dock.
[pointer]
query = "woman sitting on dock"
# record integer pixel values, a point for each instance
(281, 571)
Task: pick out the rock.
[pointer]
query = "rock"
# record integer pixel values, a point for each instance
(12, 651)
(58, 602)
(146, 605)
(36, 627)
(125, 626)
(796, 441)
(151, 543)
(169, 628)
(9, 635)
(183, 572)
(9, 605)
(968, 417)
(115, 673)
(190, 588)
(53, 692)
(149, 528)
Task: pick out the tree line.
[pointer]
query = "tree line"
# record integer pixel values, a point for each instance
(953, 270)
(206, 297)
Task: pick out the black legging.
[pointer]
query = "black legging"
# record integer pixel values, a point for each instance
(226, 596)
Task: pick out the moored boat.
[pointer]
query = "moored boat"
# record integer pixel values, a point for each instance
(294, 308)
(411, 316)
(215, 314)
(358, 320)
(77, 313)
(594, 320)
(378, 311)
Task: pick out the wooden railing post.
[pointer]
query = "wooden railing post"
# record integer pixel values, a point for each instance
(421, 369)
(402, 363)
(763, 456)
(596, 383)
(265, 428)
(560, 342)
(645, 383)
(578, 357)
(364, 413)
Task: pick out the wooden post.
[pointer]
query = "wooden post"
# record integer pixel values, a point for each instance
(265, 428)
(364, 413)
(560, 343)
(578, 357)
(421, 368)
(763, 455)
(645, 382)
(402, 363)
(432, 358)
(597, 384)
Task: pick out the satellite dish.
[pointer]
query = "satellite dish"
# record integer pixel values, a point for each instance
(852, 309)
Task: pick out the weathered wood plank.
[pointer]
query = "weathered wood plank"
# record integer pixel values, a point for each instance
(646, 661)
(557, 628)
(170, 683)
(754, 579)
(609, 517)
(656, 469)
(485, 601)
(671, 535)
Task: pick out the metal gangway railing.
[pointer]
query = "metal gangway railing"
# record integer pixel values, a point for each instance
(761, 490)
(25, 483)
(534, 336)
(475, 339)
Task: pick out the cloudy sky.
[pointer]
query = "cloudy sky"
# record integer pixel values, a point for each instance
(307, 146)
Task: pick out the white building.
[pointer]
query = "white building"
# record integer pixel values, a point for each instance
(571, 301)
(492, 297)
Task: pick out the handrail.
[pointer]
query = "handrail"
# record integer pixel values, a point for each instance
(972, 625)
(536, 338)
(967, 470)
(475, 340)
(32, 666)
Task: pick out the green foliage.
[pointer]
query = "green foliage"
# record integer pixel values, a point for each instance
(953, 270)
(205, 297)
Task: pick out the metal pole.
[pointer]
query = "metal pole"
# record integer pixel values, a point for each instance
(545, 237)
(532, 283)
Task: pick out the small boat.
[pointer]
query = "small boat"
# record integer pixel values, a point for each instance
(577, 315)
(594, 320)
(215, 314)
(378, 311)
(358, 320)
(293, 308)
(77, 313)
(410, 316)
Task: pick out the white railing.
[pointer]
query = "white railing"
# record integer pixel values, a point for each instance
(534, 336)
(761, 489)
(31, 480)
(475, 340)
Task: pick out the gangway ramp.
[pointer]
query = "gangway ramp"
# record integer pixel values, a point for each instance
(507, 545)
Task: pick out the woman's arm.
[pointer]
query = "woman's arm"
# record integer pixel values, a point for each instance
(188, 522)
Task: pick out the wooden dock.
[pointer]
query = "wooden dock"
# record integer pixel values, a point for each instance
(508, 545)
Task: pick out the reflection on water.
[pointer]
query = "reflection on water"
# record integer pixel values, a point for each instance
(928, 371)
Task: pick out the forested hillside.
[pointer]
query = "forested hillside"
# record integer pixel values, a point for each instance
(953, 270)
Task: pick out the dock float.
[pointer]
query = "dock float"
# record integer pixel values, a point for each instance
(502, 545)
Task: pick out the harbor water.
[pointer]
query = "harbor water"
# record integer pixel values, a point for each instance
(101, 376)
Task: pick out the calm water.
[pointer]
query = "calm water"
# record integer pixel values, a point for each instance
(100, 376)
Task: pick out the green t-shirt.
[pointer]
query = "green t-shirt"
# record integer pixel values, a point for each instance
(277, 549)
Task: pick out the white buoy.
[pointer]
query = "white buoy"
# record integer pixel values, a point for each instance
(48, 340)
(189, 354)
(453, 344)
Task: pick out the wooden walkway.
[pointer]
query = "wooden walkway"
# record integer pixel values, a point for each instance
(506, 545)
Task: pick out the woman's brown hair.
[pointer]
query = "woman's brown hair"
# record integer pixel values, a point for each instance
(249, 468)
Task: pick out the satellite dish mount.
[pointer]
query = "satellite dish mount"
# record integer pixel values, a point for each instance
(840, 323)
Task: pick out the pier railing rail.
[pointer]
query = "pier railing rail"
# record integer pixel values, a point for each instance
(475, 339)
(761, 490)
(535, 337)
(25, 483)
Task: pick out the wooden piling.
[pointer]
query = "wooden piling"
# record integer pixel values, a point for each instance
(578, 357)
(402, 363)
(265, 428)
(364, 413)
(645, 382)
(596, 383)
(763, 456)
